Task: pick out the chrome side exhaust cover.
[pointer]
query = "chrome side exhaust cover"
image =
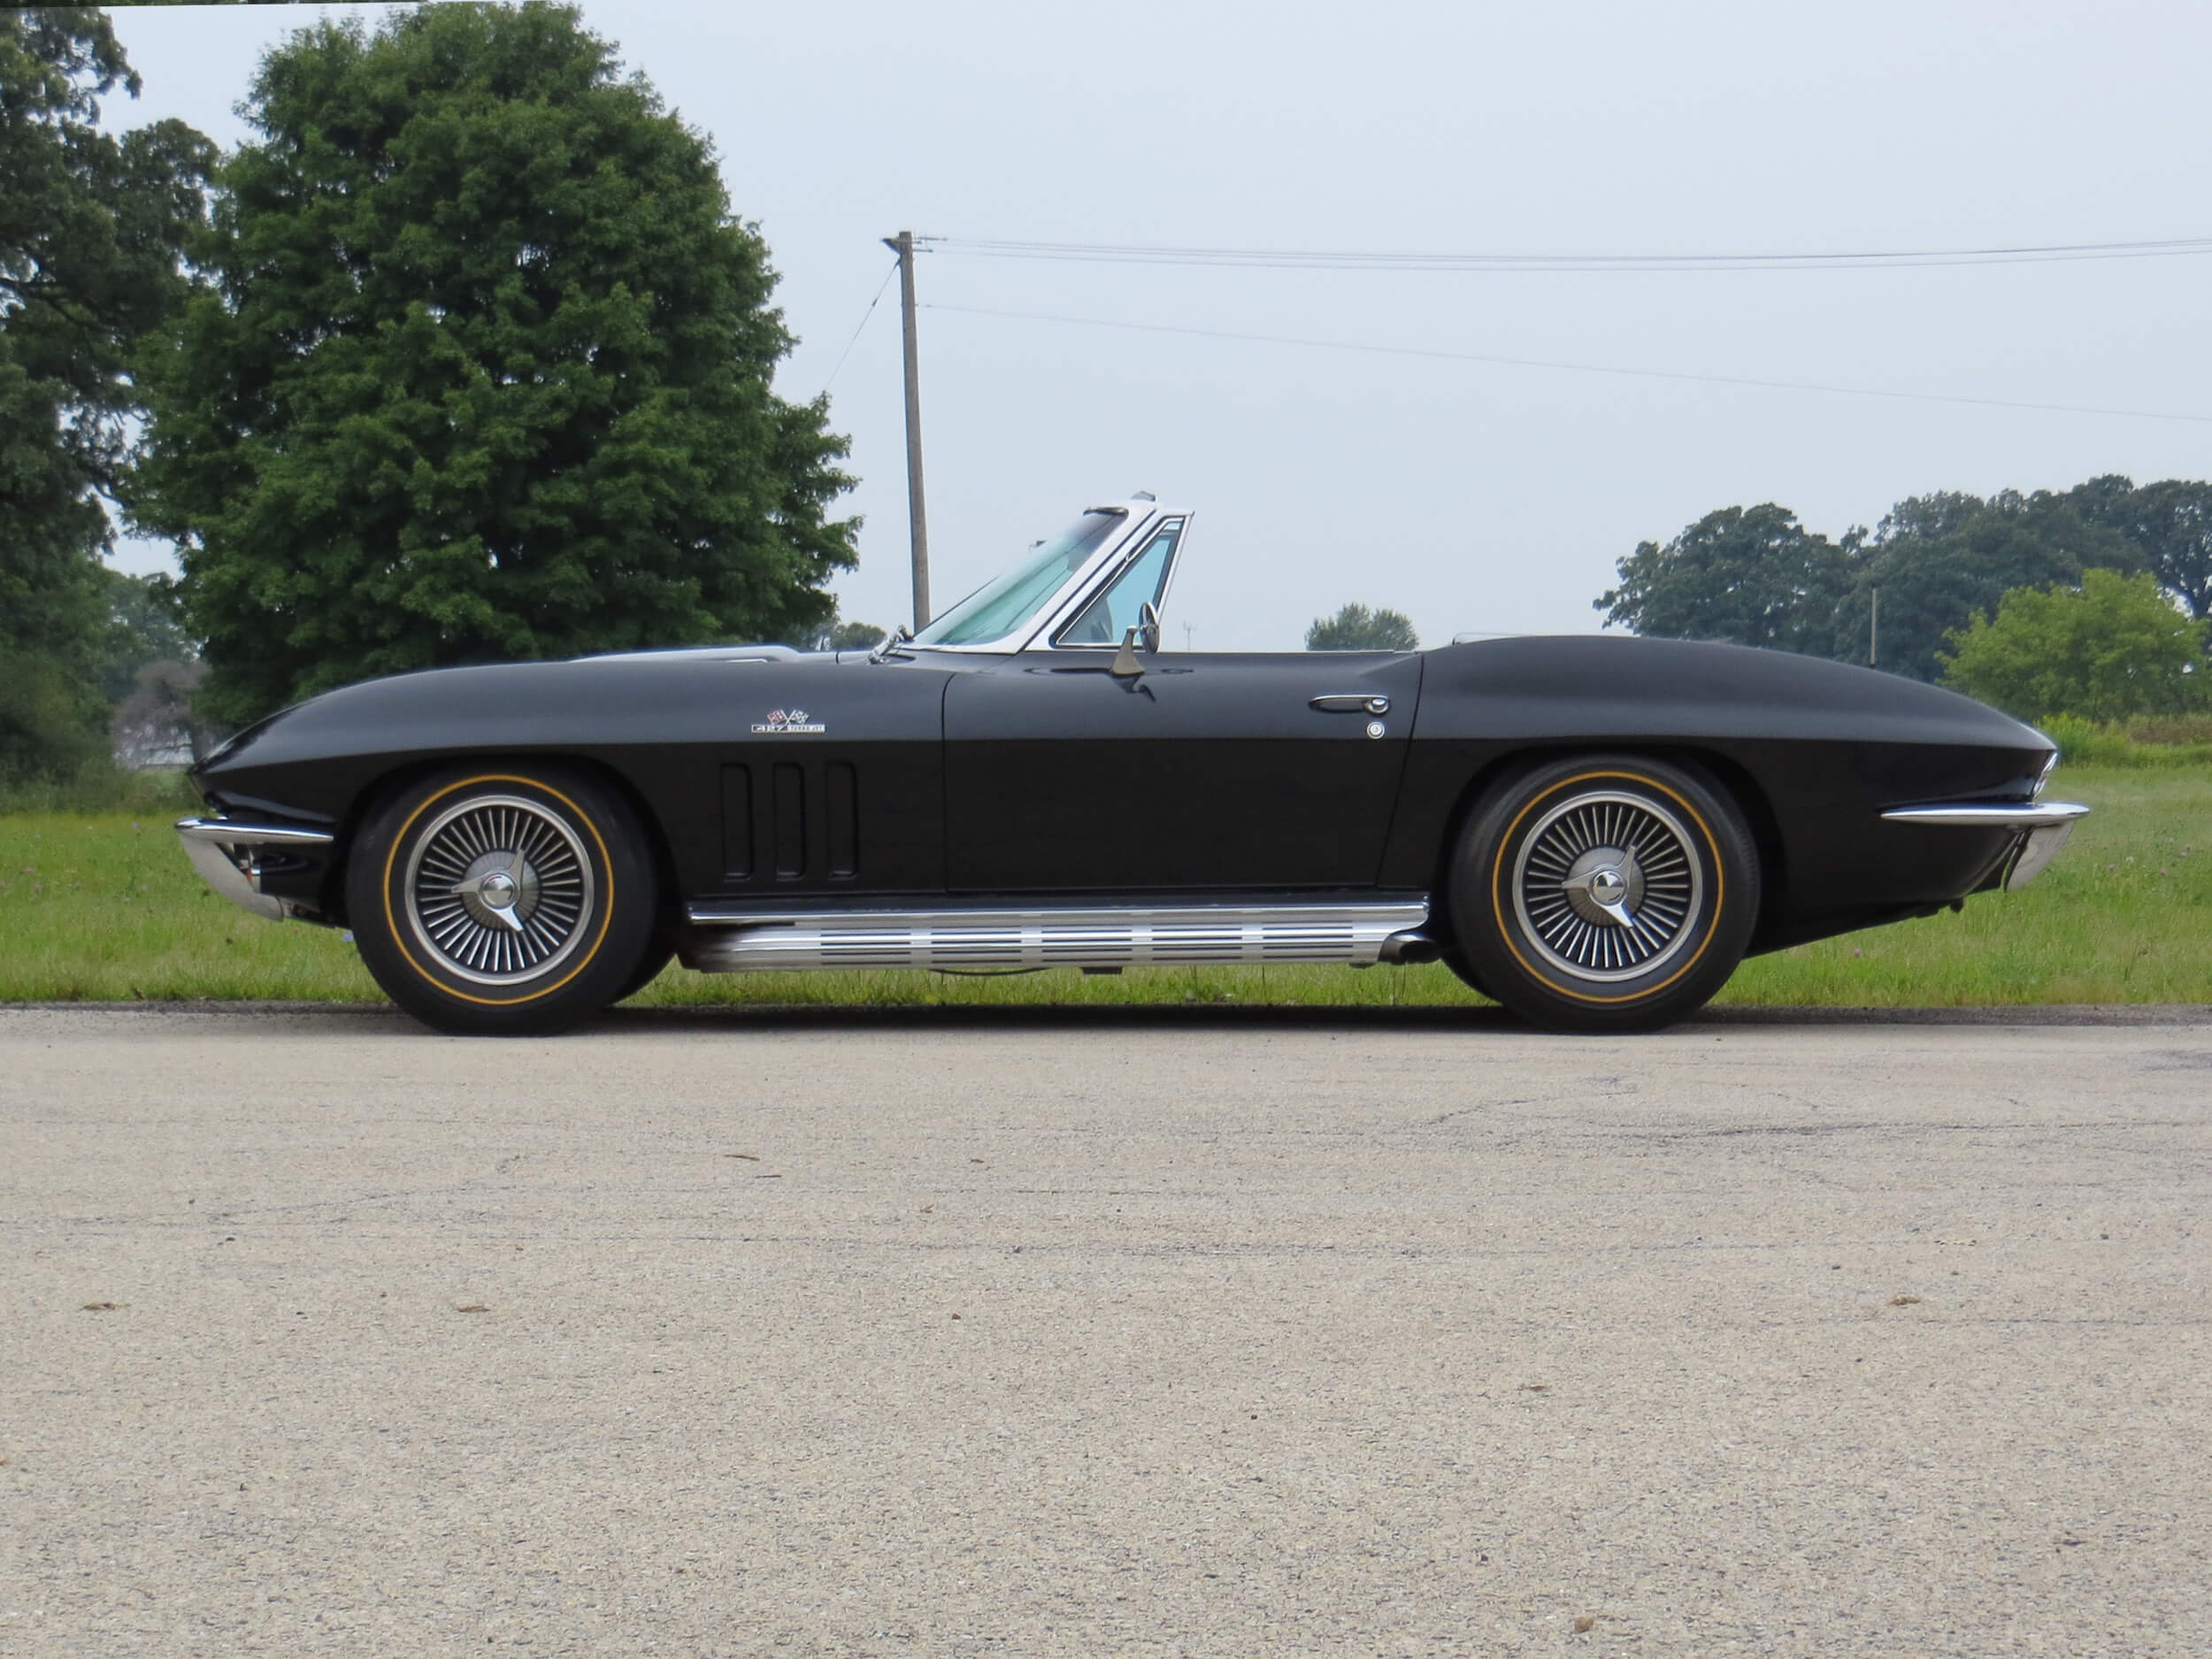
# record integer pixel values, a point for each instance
(733, 940)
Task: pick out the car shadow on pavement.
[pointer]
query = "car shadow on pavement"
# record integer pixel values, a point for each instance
(1053, 1017)
(1289, 1017)
(820, 1016)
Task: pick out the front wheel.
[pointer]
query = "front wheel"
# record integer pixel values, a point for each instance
(502, 900)
(1605, 893)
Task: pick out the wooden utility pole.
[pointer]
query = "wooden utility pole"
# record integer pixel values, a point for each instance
(917, 520)
(1874, 629)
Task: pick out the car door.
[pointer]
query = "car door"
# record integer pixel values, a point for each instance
(1208, 772)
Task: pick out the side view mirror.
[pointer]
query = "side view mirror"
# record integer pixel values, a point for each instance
(1143, 634)
(1127, 664)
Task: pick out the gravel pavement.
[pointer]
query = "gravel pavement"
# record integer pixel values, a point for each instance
(1218, 1334)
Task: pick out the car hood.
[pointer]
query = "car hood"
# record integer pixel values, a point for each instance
(623, 697)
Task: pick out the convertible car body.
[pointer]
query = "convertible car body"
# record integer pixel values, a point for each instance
(1592, 829)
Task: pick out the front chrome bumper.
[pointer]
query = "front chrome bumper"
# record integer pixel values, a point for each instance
(2042, 828)
(225, 852)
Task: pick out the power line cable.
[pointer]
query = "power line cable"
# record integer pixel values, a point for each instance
(855, 341)
(1315, 259)
(1578, 368)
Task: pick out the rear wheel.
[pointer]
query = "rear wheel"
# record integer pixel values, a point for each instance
(503, 901)
(1455, 959)
(1605, 893)
(656, 957)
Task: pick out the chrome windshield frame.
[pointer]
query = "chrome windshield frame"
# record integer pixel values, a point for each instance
(1139, 519)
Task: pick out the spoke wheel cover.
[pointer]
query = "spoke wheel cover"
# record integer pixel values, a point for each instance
(1607, 887)
(483, 861)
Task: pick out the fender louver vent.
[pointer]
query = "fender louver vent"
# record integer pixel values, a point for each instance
(791, 821)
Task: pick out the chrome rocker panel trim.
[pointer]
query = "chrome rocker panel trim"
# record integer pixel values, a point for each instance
(210, 843)
(2043, 828)
(1049, 937)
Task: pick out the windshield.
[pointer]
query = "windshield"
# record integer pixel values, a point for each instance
(1001, 606)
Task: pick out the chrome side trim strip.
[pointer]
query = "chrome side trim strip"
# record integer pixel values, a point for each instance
(1090, 937)
(237, 833)
(1990, 814)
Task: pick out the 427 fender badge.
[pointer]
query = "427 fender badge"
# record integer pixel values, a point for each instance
(786, 722)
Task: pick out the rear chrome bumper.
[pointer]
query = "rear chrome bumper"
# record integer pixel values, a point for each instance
(2042, 828)
(224, 851)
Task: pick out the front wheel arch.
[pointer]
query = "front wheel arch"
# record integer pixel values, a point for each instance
(373, 794)
(511, 896)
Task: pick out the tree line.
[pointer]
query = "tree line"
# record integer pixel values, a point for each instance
(461, 356)
(1940, 568)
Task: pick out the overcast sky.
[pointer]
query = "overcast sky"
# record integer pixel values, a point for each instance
(1474, 496)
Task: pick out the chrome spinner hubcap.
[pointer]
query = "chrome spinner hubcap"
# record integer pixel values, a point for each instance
(1605, 886)
(498, 889)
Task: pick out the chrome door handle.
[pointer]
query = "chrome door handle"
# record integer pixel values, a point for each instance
(1351, 702)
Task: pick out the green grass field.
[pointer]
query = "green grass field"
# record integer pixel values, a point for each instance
(104, 907)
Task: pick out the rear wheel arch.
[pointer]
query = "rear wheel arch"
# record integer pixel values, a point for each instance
(1766, 831)
(1675, 873)
(1722, 773)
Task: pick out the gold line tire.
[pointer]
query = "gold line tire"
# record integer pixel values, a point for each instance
(497, 900)
(1604, 893)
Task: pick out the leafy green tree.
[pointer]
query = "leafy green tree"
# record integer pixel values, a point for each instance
(836, 634)
(482, 372)
(853, 636)
(2169, 523)
(1756, 576)
(91, 227)
(144, 626)
(1751, 575)
(50, 718)
(1356, 628)
(1940, 559)
(2112, 647)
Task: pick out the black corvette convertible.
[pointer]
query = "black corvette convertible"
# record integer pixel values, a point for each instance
(1593, 830)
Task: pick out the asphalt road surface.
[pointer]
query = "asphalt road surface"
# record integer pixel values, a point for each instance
(1127, 1333)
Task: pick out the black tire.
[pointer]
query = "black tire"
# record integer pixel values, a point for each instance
(1605, 893)
(657, 956)
(1457, 961)
(502, 900)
